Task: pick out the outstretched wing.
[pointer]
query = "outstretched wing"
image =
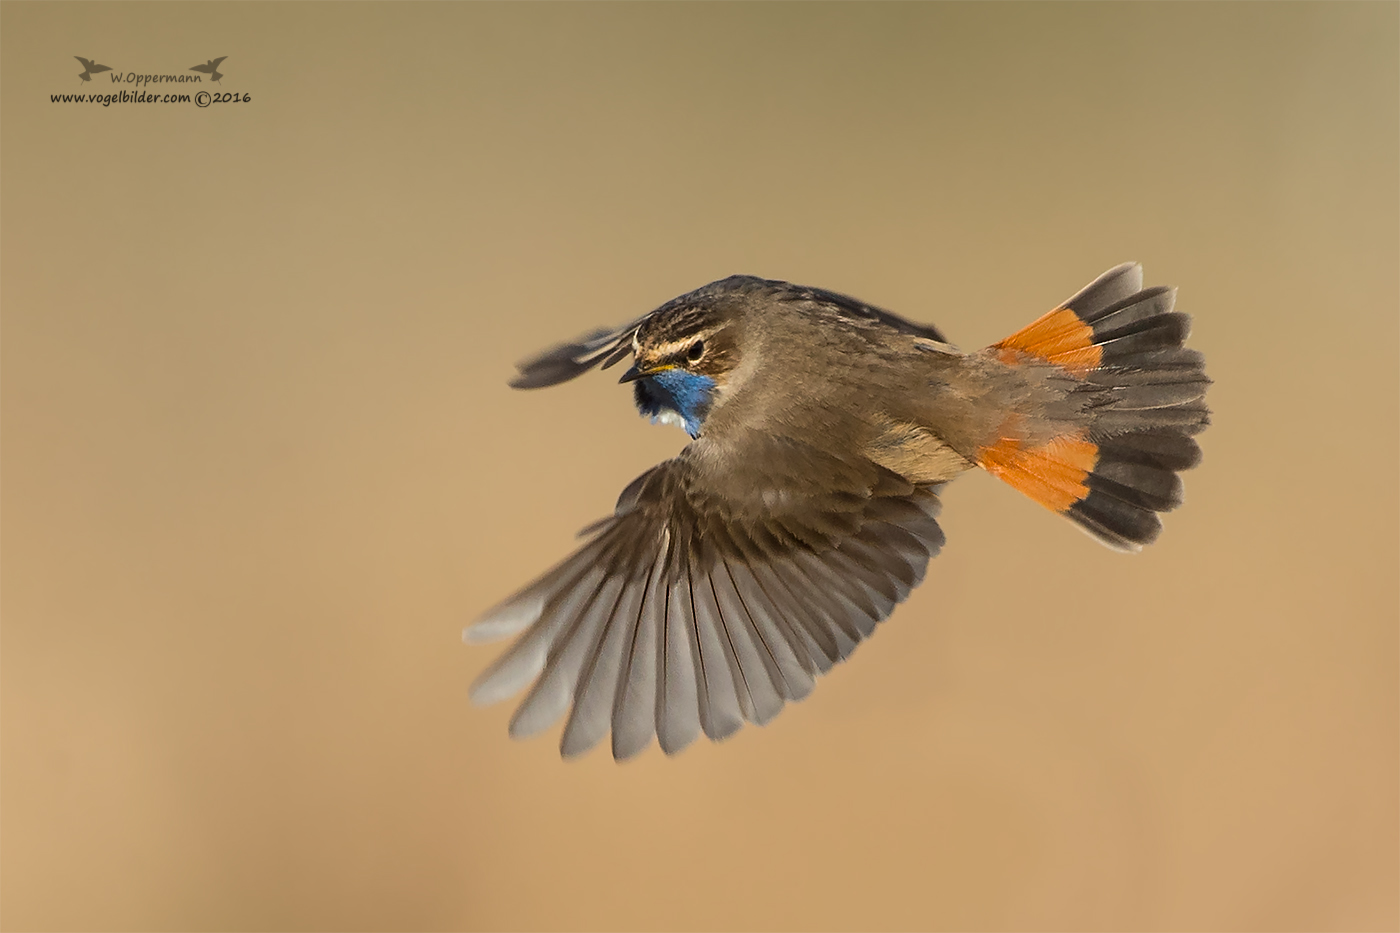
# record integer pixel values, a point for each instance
(568, 360)
(207, 69)
(98, 68)
(87, 65)
(717, 592)
(215, 62)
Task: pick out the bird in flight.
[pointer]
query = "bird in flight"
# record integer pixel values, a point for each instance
(210, 67)
(90, 68)
(805, 507)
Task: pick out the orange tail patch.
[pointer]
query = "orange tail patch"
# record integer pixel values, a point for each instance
(1052, 474)
(1059, 337)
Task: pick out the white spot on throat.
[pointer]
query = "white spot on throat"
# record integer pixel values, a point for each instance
(667, 416)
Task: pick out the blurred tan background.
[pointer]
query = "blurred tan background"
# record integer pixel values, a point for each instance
(261, 464)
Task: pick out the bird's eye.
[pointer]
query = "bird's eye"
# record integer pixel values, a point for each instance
(697, 350)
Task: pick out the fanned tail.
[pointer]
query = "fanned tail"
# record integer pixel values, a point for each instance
(1144, 396)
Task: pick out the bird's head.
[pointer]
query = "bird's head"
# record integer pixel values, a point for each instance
(683, 359)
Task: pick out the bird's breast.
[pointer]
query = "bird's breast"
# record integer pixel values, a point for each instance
(675, 396)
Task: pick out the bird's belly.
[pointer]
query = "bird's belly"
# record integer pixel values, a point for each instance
(916, 454)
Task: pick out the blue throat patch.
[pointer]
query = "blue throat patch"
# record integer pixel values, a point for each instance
(685, 393)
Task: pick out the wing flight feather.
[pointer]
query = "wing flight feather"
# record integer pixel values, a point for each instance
(694, 609)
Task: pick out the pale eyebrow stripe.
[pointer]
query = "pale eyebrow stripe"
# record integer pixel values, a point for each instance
(675, 346)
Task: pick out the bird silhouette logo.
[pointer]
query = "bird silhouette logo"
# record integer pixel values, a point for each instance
(211, 67)
(90, 67)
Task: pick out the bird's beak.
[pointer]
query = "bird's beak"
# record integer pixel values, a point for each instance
(633, 373)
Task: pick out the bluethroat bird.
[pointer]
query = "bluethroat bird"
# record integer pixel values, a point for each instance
(804, 508)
